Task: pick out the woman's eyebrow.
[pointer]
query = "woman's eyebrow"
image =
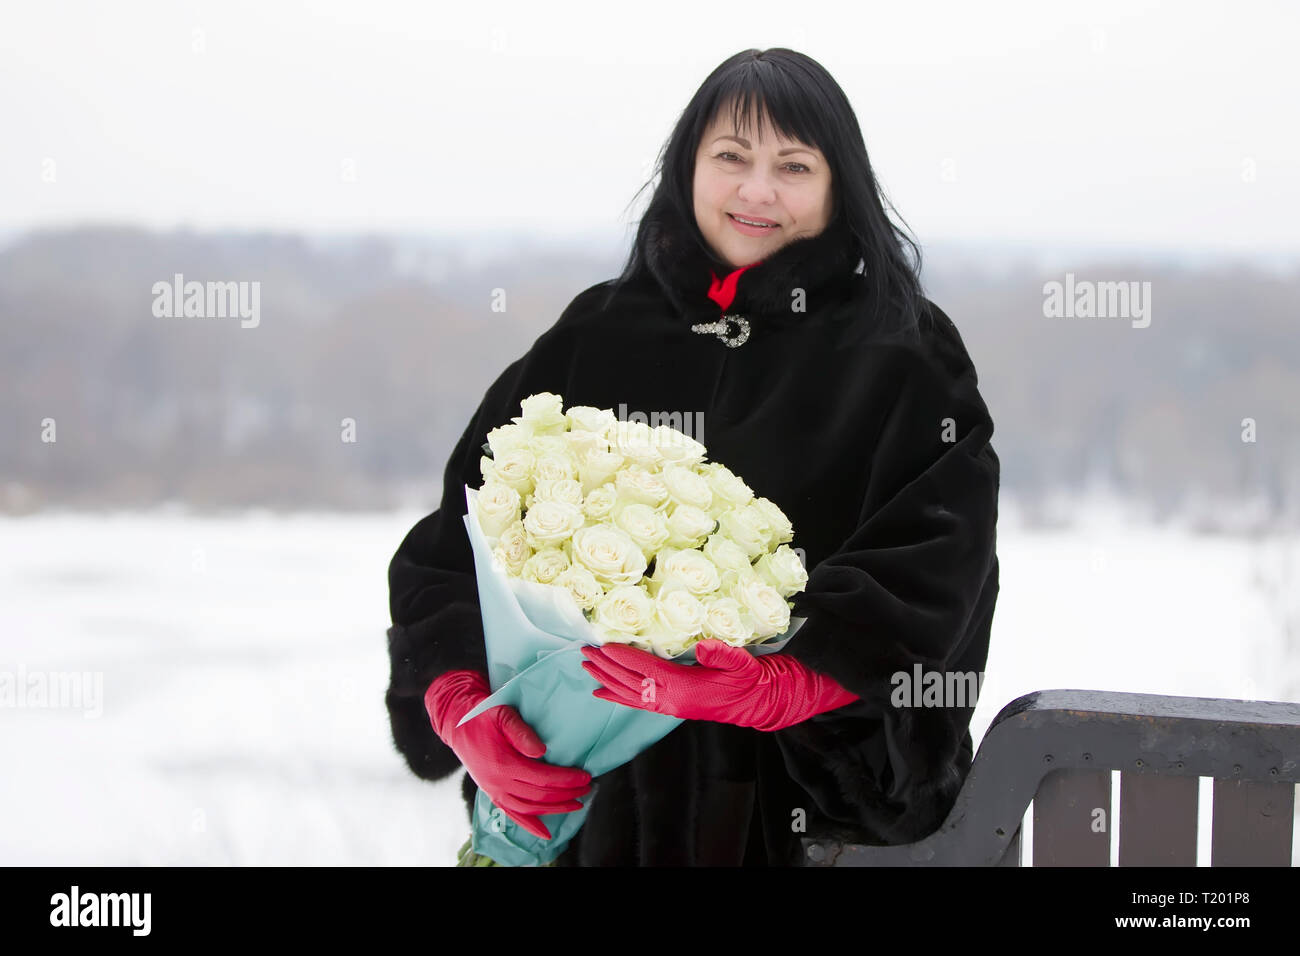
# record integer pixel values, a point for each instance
(745, 143)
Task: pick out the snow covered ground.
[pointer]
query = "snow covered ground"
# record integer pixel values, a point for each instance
(241, 668)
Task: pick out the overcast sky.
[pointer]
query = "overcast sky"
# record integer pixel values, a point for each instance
(1095, 121)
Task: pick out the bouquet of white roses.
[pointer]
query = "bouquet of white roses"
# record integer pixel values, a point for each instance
(657, 547)
(589, 529)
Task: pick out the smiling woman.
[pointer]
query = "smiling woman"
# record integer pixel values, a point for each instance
(751, 200)
(771, 138)
(846, 398)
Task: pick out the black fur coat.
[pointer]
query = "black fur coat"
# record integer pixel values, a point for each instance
(878, 451)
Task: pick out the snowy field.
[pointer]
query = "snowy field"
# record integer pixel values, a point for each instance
(234, 672)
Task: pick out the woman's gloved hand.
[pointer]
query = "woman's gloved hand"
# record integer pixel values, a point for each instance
(501, 753)
(727, 684)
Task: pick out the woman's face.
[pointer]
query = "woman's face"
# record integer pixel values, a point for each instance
(771, 180)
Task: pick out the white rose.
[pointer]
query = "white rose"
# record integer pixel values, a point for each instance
(487, 468)
(728, 489)
(783, 570)
(758, 518)
(739, 525)
(582, 443)
(686, 487)
(688, 567)
(561, 489)
(585, 418)
(646, 487)
(635, 441)
(647, 527)
(731, 578)
(677, 446)
(545, 566)
(625, 609)
(599, 502)
(513, 549)
(555, 468)
(767, 609)
(552, 522)
(597, 467)
(515, 468)
(582, 584)
(544, 413)
(551, 446)
(496, 507)
(728, 555)
(726, 620)
(609, 554)
(782, 529)
(679, 611)
(666, 644)
(506, 438)
(688, 526)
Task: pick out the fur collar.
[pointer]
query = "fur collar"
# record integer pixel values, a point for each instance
(684, 267)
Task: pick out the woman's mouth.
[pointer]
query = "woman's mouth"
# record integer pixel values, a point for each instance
(751, 228)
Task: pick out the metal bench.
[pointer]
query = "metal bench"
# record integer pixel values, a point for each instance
(1057, 748)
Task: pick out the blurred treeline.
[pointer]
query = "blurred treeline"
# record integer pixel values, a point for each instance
(399, 335)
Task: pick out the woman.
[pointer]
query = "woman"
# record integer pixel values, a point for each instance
(845, 397)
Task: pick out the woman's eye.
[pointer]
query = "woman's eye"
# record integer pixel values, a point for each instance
(802, 168)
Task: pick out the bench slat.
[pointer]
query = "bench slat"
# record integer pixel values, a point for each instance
(1157, 819)
(1063, 819)
(1253, 823)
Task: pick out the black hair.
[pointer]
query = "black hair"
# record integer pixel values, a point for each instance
(805, 103)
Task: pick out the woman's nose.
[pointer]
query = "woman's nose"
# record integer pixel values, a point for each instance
(757, 188)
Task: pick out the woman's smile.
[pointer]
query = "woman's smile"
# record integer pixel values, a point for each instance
(746, 229)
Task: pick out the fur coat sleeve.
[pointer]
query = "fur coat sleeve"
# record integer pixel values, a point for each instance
(433, 602)
(914, 584)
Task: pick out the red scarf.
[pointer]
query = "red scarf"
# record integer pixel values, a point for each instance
(723, 291)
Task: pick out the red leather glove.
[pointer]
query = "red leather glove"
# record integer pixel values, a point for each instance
(500, 752)
(728, 685)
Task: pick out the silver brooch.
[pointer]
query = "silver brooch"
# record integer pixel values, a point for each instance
(720, 328)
